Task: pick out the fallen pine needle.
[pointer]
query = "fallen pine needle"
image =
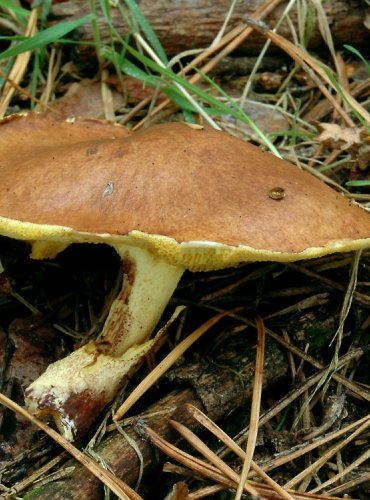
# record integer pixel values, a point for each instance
(118, 487)
(198, 466)
(230, 443)
(166, 363)
(210, 455)
(211, 472)
(325, 457)
(256, 405)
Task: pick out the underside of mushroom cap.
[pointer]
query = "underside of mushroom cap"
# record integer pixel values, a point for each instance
(199, 197)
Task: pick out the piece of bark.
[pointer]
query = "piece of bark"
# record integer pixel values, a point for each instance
(219, 385)
(187, 25)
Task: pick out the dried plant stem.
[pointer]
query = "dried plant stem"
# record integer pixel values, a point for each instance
(200, 446)
(183, 91)
(354, 354)
(356, 463)
(19, 67)
(28, 94)
(361, 298)
(212, 473)
(30, 480)
(307, 62)
(349, 485)
(195, 464)
(297, 453)
(206, 492)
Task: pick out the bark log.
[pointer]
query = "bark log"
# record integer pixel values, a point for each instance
(189, 25)
(217, 386)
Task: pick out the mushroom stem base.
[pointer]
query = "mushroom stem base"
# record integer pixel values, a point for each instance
(75, 389)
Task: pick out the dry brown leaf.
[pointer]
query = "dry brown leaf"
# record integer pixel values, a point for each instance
(84, 98)
(334, 136)
(352, 139)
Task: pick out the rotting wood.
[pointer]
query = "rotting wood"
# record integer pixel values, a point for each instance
(188, 25)
(219, 385)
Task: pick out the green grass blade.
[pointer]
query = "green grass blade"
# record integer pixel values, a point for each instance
(359, 55)
(11, 5)
(43, 7)
(246, 118)
(45, 37)
(171, 76)
(131, 69)
(202, 94)
(95, 30)
(339, 89)
(363, 183)
(147, 30)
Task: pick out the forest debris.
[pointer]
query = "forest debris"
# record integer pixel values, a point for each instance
(334, 136)
(25, 352)
(268, 118)
(355, 140)
(227, 376)
(83, 98)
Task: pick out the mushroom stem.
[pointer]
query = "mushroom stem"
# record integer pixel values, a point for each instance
(75, 389)
(148, 284)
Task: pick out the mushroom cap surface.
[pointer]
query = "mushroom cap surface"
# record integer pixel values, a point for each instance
(202, 198)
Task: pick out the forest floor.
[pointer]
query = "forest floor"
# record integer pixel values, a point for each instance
(272, 399)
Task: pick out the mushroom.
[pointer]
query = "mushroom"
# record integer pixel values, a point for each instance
(168, 198)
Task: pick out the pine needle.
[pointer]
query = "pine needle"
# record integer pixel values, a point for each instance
(166, 363)
(121, 489)
(255, 410)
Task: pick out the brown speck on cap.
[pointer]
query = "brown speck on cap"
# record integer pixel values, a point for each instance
(277, 193)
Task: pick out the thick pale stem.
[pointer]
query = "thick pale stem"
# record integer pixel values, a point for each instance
(148, 284)
(75, 389)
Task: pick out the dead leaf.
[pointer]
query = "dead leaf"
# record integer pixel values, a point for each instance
(33, 349)
(179, 492)
(84, 98)
(352, 139)
(334, 136)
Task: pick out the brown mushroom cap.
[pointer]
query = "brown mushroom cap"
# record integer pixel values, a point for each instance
(200, 197)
